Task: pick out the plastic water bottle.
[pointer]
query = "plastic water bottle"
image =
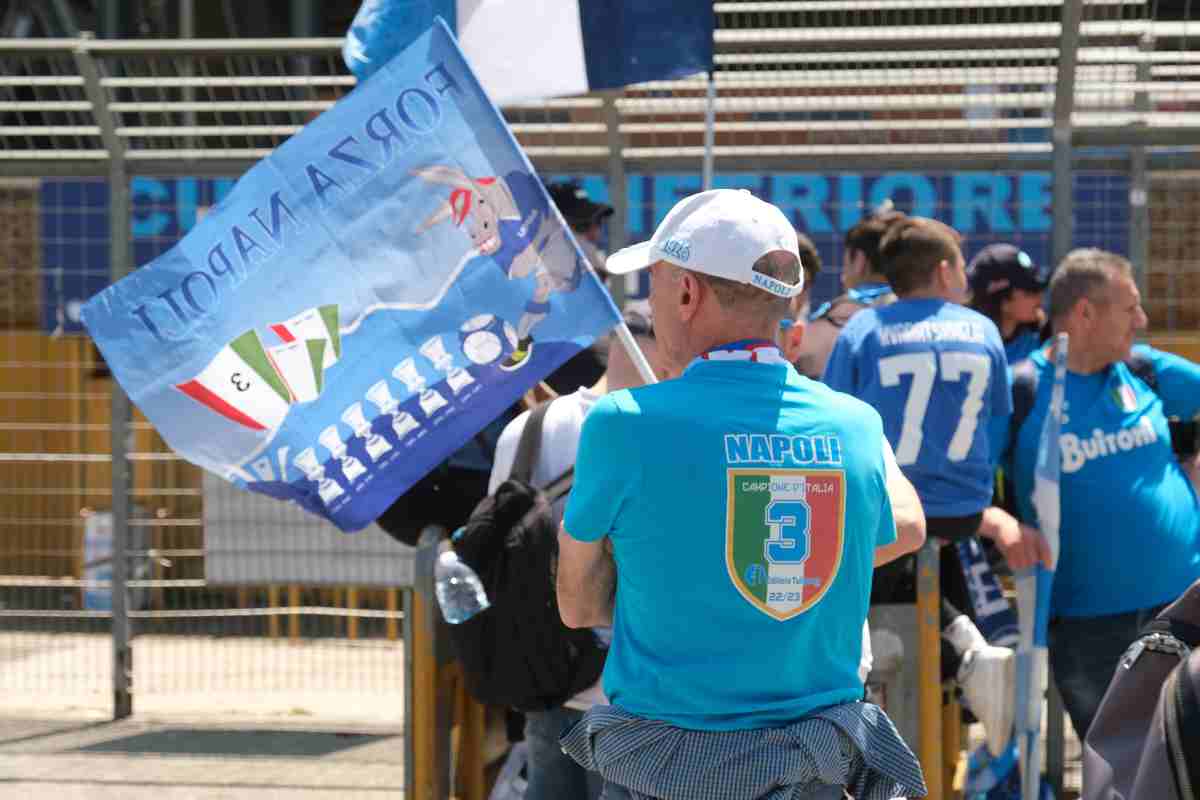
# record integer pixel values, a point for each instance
(460, 593)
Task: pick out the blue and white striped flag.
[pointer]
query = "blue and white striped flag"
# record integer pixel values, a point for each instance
(529, 49)
(1035, 583)
(368, 297)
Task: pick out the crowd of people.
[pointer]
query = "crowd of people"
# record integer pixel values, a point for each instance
(730, 525)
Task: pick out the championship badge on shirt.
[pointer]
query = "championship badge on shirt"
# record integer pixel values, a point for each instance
(784, 535)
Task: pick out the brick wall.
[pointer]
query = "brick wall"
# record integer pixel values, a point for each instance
(20, 289)
(1172, 298)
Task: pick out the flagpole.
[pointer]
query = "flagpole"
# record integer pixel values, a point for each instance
(625, 336)
(710, 123)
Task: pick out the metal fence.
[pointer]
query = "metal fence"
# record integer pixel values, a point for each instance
(229, 601)
(1046, 123)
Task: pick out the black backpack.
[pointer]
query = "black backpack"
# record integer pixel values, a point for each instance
(1144, 743)
(518, 653)
(445, 494)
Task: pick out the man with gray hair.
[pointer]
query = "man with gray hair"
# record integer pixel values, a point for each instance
(726, 523)
(1130, 523)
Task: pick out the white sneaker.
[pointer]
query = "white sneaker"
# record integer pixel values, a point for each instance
(988, 681)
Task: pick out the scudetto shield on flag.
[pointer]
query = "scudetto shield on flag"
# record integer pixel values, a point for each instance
(784, 535)
(367, 298)
(315, 323)
(242, 384)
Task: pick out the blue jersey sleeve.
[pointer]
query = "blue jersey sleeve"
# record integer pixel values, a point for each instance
(1178, 382)
(1001, 404)
(840, 369)
(605, 472)
(1000, 398)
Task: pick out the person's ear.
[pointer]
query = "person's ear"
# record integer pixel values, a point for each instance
(945, 272)
(859, 260)
(1086, 311)
(690, 290)
(793, 341)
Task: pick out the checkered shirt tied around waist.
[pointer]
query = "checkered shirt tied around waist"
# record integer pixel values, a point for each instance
(854, 745)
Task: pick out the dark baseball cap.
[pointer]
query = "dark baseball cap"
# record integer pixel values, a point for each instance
(998, 267)
(575, 205)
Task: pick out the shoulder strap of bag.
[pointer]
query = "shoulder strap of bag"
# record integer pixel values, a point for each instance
(1143, 368)
(560, 485)
(1186, 632)
(1025, 384)
(530, 445)
(528, 450)
(1182, 723)
(1024, 394)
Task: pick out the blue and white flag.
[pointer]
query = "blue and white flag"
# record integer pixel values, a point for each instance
(367, 298)
(1035, 584)
(528, 49)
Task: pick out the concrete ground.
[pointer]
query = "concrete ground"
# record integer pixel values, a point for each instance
(229, 718)
(334, 680)
(210, 759)
(214, 717)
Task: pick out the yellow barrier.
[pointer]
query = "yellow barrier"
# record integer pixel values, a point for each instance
(929, 668)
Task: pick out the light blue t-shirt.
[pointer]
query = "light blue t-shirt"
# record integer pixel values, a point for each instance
(744, 503)
(937, 374)
(1130, 526)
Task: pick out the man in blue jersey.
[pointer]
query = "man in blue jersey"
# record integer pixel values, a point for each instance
(726, 523)
(866, 286)
(1130, 525)
(937, 374)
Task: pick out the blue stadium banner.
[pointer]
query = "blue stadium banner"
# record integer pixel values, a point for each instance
(1008, 206)
(362, 302)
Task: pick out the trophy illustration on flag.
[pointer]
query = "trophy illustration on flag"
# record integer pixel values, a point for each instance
(375, 444)
(402, 422)
(459, 379)
(331, 440)
(327, 488)
(431, 401)
(406, 372)
(435, 351)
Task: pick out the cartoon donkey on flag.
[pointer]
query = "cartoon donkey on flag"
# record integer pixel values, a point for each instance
(508, 218)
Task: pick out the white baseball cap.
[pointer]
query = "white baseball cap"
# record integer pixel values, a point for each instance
(721, 232)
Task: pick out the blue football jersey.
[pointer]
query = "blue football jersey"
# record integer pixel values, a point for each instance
(753, 499)
(936, 372)
(1130, 526)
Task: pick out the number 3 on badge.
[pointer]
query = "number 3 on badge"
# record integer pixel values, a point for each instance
(789, 522)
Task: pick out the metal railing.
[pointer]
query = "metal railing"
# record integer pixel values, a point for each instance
(1049, 123)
